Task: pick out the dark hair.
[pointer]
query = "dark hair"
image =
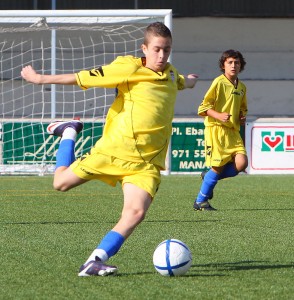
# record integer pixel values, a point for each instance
(233, 54)
(156, 29)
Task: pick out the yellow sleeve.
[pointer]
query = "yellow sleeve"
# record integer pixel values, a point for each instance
(209, 99)
(108, 76)
(181, 82)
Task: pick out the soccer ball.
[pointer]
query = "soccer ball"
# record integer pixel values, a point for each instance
(172, 258)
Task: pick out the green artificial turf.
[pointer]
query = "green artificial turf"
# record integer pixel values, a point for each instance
(244, 250)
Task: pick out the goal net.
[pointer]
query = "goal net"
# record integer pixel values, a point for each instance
(56, 42)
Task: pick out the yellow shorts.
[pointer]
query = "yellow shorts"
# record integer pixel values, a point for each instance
(111, 170)
(221, 145)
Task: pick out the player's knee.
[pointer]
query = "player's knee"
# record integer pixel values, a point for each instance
(241, 162)
(138, 216)
(61, 187)
(242, 165)
(245, 163)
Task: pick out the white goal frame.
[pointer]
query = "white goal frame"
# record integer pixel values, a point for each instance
(53, 17)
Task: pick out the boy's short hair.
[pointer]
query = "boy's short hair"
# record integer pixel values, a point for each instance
(234, 54)
(156, 29)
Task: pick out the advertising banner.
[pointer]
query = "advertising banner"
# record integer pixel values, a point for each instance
(187, 147)
(270, 146)
(25, 147)
(24, 142)
(27, 144)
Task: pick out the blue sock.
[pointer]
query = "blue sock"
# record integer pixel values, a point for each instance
(66, 153)
(111, 243)
(229, 171)
(210, 180)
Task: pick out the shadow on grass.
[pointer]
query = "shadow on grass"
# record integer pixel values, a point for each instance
(155, 273)
(242, 266)
(186, 275)
(181, 221)
(204, 270)
(214, 269)
(260, 209)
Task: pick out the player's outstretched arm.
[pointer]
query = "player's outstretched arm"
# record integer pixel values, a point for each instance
(190, 80)
(30, 75)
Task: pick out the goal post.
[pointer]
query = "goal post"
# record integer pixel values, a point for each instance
(56, 42)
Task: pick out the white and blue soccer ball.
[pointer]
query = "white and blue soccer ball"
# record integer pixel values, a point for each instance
(172, 258)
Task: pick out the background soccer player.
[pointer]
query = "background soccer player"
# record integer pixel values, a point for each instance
(135, 139)
(224, 107)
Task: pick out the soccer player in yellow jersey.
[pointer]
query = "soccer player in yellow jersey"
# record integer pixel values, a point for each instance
(135, 138)
(224, 107)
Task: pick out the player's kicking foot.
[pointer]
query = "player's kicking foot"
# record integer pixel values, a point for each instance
(56, 128)
(97, 268)
(203, 206)
(202, 175)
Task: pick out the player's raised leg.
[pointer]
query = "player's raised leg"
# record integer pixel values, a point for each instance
(210, 179)
(64, 178)
(232, 169)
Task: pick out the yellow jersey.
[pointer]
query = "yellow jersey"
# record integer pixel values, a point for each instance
(139, 122)
(224, 96)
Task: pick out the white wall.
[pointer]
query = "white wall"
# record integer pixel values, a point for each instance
(267, 45)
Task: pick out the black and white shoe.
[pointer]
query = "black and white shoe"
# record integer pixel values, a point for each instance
(203, 206)
(97, 268)
(56, 128)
